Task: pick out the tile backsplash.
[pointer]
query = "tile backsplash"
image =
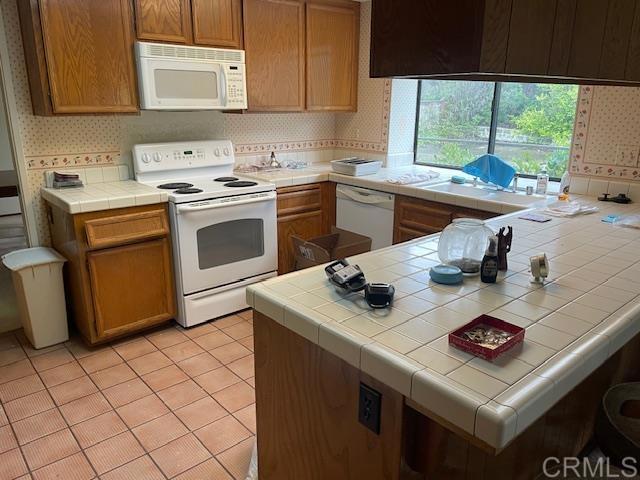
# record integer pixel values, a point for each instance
(595, 186)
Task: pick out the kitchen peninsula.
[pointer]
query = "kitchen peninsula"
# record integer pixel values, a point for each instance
(445, 413)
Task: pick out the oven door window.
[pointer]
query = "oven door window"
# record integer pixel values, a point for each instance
(230, 242)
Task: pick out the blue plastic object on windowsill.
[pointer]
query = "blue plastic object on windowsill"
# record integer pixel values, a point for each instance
(491, 169)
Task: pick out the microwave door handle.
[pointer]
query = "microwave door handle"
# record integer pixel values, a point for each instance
(182, 209)
(223, 82)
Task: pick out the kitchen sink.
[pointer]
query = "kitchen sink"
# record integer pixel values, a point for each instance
(487, 192)
(456, 189)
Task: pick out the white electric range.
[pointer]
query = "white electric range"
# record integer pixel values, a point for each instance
(223, 227)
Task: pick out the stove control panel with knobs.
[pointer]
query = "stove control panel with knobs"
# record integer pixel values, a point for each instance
(150, 159)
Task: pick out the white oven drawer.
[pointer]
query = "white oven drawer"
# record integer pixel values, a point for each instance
(219, 242)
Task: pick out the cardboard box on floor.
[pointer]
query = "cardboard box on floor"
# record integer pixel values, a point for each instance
(325, 248)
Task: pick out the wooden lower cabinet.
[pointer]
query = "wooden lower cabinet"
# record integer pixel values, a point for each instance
(119, 274)
(307, 211)
(415, 218)
(118, 307)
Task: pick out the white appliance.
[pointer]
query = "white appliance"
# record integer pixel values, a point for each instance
(223, 227)
(355, 166)
(177, 77)
(367, 212)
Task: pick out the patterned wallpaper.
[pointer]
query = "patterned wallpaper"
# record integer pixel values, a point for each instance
(606, 117)
(368, 128)
(79, 141)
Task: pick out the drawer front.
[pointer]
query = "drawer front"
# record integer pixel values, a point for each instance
(294, 200)
(419, 212)
(472, 213)
(125, 229)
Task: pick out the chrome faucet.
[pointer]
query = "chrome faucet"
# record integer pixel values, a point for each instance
(273, 162)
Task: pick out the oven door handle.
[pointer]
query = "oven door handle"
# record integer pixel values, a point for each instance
(182, 209)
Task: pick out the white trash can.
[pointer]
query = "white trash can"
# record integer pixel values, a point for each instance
(37, 278)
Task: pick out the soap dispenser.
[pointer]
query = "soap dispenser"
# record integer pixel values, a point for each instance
(489, 266)
(542, 181)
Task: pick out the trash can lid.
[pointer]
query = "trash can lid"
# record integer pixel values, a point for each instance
(31, 257)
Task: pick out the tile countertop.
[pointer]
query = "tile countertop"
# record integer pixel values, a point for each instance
(490, 201)
(103, 196)
(589, 308)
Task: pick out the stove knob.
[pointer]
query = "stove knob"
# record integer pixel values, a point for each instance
(226, 152)
(217, 152)
(157, 157)
(146, 158)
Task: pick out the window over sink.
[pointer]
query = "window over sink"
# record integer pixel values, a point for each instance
(525, 124)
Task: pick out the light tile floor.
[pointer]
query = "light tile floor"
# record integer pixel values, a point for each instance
(172, 403)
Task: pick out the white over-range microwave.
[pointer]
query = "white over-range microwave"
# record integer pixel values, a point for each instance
(177, 77)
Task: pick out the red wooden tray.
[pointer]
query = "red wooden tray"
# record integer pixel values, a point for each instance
(457, 340)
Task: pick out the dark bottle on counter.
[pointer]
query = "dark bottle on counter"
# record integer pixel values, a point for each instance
(489, 266)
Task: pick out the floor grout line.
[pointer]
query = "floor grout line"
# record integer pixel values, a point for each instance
(155, 392)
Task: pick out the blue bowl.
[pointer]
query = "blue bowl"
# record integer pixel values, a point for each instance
(446, 274)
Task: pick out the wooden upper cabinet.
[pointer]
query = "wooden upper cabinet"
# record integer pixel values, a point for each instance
(563, 41)
(217, 23)
(274, 35)
(79, 56)
(163, 20)
(332, 33)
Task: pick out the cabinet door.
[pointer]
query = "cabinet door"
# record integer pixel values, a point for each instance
(217, 23)
(332, 56)
(530, 19)
(305, 225)
(302, 211)
(89, 53)
(274, 46)
(163, 20)
(144, 299)
(415, 218)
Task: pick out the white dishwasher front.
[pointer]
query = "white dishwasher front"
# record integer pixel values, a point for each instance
(367, 212)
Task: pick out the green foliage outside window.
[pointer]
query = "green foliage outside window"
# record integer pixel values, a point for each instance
(534, 124)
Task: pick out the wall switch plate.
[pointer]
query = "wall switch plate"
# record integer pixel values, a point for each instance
(627, 155)
(369, 408)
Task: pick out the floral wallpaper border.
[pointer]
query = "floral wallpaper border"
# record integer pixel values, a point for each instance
(381, 146)
(72, 160)
(578, 164)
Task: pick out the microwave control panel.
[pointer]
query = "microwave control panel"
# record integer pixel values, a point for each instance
(236, 86)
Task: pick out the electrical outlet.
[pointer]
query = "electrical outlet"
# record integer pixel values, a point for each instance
(627, 155)
(369, 407)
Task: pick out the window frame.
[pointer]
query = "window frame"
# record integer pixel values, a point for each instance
(491, 143)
